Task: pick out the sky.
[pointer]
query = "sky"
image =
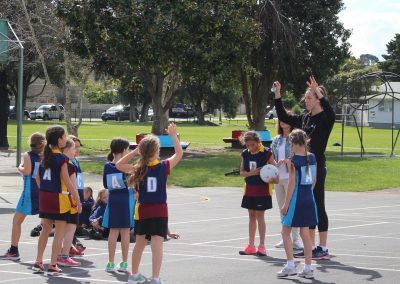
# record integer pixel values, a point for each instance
(373, 23)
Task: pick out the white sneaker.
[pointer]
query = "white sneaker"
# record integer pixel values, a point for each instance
(286, 271)
(308, 274)
(280, 244)
(298, 245)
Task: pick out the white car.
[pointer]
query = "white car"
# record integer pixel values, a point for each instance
(271, 114)
(47, 112)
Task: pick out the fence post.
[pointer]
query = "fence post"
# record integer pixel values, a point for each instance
(90, 115)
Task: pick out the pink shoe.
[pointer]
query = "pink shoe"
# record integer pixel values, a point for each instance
(261, 251)
(67, 261)
(249, 250)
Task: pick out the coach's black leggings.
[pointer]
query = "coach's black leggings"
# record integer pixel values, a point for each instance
(319, 195)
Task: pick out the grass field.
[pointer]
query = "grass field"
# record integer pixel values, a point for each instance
(344, 173)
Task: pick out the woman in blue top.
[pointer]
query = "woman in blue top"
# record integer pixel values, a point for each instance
(28, 203)
(118, 216)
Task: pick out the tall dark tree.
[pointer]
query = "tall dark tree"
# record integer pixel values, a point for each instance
(161, 41)
(4, 107)
(300, 38)
(392, 58)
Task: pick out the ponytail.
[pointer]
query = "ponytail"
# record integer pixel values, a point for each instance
(53, 133)
(139, 172)
(110, 157)
(47, 156)
(117, 146)
(307, 162)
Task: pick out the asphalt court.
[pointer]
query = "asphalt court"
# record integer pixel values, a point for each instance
(364, 242)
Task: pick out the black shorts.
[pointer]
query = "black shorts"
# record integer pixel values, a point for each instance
(259, 203)
(51, 216)
(152, 227)
(72, 218)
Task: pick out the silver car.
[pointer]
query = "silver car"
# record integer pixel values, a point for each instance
(48, 112)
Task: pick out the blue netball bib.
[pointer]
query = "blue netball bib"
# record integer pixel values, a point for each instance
(307, 179)
(79, 181)
(115, 181)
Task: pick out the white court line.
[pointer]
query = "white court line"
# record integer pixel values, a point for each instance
(207, 220)
(364, 236)
(273, 235)
(363, 208)
(366, 216)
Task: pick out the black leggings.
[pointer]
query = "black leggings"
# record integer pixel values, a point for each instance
(319, 195)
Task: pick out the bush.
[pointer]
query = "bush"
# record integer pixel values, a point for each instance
(296, 109)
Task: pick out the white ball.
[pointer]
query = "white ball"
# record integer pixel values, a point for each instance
(268, 172)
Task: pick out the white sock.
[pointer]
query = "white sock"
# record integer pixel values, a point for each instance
(290, 263)
(156, 279)
(307, 267)
(324, 248)
(135, 274)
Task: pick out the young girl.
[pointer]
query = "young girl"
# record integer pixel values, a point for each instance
(118, 216)
(149, 177)
(87, 206)
(257, 194)
(54, 203)
(299, 209)
(281, 149)
(96, 218)
(28, 203)
(64, 259)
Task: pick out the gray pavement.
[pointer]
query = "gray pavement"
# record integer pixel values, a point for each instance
(364, 240)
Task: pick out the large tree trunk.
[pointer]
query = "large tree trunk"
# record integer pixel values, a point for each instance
(144, 113)
(199, 112)
(246, 98)
(4, 109)
(162, 90)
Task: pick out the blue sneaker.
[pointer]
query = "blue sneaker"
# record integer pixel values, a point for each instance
(136, 279)
(110, 267)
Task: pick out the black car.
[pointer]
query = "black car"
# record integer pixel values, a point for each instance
(12, 113)
(118, 113)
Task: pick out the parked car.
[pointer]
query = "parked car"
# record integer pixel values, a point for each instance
(271, 114)
(12, 114)
(181, 110)
(118, 113)
(47, 112)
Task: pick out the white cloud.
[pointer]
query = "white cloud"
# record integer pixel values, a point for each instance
(373, 25)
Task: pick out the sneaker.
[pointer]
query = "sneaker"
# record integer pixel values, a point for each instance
(261, 251)
(249, 250)
(308, 274)
(286, 271)
(53, 270)
(110, 267)
(136, 279)
(123, 266)
(74, 252)
(35, 232)
(80, 248)
(152, 281)
(38, 267)
(300, 254)
(319, 253)
(10, 256)
(280, 244)
(67, 261)
(98, 236)
(298, 245)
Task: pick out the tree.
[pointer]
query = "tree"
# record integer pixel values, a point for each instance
(300, 38)
(392, 59)
(369, 59)
(4, 108)
(161, 41)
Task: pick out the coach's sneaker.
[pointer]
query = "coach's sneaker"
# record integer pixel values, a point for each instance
(261, 251)
(319, 253)
(280, 244)
(286, 271)
(11, 255)
(110, 267)
(308, 274)
(249, 250)
(38, 267)
(136, 279)
(53, 270)
(298, 245)
(35, 232)
(123, 266)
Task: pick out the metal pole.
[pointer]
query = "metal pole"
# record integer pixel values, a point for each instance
(19, 103)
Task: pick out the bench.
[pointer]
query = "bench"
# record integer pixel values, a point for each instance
(236, 134)
(166, 142)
